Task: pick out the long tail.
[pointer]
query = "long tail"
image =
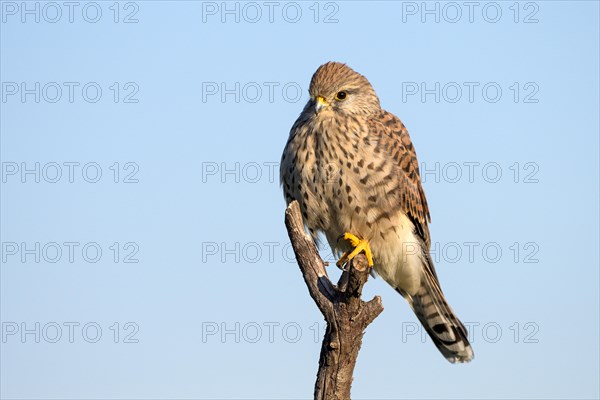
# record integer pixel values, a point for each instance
(443, 326)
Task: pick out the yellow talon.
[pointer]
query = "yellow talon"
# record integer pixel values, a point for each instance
(359, 245)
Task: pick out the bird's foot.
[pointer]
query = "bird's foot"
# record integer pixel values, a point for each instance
(359, 245)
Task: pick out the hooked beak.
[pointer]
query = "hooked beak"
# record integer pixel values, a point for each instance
(320, 103)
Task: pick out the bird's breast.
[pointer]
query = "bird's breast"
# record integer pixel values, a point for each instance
(331, 173)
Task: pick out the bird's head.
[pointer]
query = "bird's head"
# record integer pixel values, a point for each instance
(337, 88)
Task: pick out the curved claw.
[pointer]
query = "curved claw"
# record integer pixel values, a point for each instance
(359, 245)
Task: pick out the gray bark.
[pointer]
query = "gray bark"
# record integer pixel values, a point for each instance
(347, 315)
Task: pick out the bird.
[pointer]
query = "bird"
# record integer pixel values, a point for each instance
(353, 170)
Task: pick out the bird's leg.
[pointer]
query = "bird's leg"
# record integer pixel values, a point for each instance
(359, 245)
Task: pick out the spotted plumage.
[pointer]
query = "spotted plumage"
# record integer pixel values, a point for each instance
(352, 167)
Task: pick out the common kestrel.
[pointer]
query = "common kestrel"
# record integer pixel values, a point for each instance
(353, 169)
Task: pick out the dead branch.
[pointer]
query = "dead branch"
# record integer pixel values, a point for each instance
(346, 314)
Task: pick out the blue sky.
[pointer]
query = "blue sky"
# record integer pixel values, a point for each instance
(143, 248)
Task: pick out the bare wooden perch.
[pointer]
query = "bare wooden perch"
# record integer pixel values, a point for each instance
(346, 314)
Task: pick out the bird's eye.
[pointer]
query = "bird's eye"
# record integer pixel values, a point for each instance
(341, 95)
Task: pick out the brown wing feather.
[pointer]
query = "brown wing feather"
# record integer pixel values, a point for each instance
(392, 137)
